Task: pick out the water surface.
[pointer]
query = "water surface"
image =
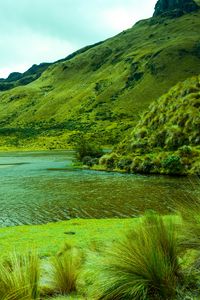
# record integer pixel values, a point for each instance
(41, 187)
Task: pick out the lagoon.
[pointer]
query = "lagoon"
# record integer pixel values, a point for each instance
(41, 187)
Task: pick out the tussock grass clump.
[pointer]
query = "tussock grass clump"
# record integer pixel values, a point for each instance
(19, 277)
(142, 266)
(189, 209)
(65, 270)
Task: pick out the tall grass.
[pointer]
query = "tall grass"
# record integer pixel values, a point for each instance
(65, 270)
(19, 277)
(144, 265)
(189, 209)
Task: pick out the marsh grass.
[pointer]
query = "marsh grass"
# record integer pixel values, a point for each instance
(189, 210)
(65, 269)
(189, 240)
(19, 277)
(144, 265)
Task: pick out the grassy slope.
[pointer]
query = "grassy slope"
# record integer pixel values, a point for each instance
(167, 138)
(103, 90)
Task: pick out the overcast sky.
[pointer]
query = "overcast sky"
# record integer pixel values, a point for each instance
(35, 31)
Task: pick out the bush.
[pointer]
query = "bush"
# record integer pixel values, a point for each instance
(172, 165)
(125, 163)
(185, 151)
(109, 160)
(142, 266)
(85, 148)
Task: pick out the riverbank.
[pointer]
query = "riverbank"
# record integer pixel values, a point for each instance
(49, 238)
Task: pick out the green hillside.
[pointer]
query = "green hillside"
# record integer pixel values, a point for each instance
(103, 90)
(167, 138)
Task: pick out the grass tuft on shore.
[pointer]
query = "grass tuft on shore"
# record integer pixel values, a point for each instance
(65, 269)
(19, 277)
(143, 265)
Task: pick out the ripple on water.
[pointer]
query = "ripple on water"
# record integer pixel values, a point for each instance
(30, 193)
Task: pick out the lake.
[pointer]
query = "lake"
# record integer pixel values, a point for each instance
(41, 187)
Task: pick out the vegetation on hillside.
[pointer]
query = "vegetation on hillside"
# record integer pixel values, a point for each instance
(167, 138)
(102, 90)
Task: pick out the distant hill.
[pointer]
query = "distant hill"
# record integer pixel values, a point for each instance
(18, 79)
(101, 90)
(167, 138)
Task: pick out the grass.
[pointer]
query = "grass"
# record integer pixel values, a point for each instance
(65, 268)
(138, 258)
(90, 235)
(19, 277)
(49, 238)
(190, 212)
(143, 265)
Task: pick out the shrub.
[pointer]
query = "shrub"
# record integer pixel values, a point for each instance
(125, 163)
(136, 164)
(185, 151)
(172, 165)
(65, 270)
(87, 160)
(147, 165)
(109, 160)
(175, 139)
(85, 148)
(19, 277)
(142, 266)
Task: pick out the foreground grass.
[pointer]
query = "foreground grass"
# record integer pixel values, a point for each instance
(49, 238)
(19, 277)
(138, 258)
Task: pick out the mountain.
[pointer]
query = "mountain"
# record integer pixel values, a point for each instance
(167, 137)
(175, 7)
(102, 90)
(18, 79)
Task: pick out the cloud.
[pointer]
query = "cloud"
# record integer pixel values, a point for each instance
(33, 31)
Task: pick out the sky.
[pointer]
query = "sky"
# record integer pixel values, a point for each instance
(35, 31)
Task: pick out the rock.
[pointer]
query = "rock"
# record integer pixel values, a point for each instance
(174, 8)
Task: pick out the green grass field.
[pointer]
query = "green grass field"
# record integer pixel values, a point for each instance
(49, 238)
(90, 235)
